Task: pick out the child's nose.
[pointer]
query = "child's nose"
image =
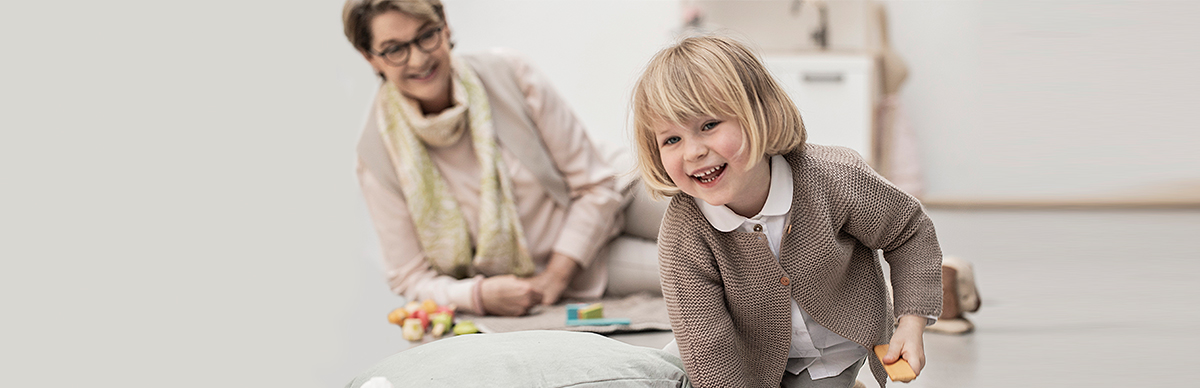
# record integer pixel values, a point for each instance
(697, 151)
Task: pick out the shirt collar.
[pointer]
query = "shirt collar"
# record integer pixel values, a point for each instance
(779, 200)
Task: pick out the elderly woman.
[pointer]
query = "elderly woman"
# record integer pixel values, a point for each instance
(482, 184)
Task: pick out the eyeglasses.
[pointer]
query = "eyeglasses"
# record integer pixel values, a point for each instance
(397, 54)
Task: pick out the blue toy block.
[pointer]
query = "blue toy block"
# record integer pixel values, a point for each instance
(598, 322)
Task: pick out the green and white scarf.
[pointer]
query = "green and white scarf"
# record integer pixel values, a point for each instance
(500, 247)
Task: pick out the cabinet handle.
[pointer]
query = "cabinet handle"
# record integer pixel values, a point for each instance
(822, 77)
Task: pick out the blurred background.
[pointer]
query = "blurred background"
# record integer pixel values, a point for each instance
(178, 205)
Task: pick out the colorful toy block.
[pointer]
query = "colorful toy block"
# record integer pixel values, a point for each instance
(598, 322)
(582, 314)
(593, 311)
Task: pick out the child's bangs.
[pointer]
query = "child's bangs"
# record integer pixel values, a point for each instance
(683, 90)
(694, 100)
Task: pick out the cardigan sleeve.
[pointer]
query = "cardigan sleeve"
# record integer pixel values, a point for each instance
(883, 217)
(595, 202)
(696, 305)
(408, 272)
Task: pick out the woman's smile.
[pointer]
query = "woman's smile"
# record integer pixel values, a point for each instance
(425, 75)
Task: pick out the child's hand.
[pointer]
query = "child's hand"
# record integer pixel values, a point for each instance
(908, 344)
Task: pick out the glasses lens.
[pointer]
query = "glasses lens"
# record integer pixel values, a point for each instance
(430, 40)
(397, 56)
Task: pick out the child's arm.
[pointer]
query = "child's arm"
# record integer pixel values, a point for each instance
(882, 216)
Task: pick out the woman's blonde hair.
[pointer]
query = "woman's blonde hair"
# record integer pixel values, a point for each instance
(710, 76)
(358, 14)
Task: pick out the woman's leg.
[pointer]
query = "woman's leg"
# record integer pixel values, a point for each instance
(632, 266)
(633, 256)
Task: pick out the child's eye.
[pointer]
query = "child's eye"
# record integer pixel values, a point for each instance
(709, 125)
(671, 140)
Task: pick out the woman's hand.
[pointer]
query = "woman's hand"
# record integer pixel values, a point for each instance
(907, 343)
(555, 279)
(508, 295)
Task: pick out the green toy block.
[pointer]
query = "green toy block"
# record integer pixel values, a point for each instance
(594, 311)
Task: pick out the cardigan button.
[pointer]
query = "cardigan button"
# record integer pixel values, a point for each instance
(757, 228)
(784, 281)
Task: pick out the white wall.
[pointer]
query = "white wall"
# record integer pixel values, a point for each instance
(592, 50)
(1027, 100)
(178, 207)
(1053, 99)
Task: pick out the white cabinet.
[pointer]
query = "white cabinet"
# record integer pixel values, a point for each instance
(835, 94)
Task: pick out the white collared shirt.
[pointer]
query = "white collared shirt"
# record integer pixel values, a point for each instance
(823, 352)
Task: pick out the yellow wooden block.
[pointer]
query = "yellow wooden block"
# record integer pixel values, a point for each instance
(898, 371)
(593, 311)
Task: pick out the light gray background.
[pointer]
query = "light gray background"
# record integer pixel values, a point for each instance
(177, 204)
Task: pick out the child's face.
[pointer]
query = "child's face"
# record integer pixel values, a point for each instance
(702, 157)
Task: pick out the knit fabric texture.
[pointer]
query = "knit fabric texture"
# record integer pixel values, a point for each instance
(728, 296)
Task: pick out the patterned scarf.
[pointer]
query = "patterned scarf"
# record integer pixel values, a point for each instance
(442, 230)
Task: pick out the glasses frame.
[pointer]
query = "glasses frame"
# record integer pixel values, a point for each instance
(406, 47)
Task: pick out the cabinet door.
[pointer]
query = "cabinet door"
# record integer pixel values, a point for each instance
(833, 93)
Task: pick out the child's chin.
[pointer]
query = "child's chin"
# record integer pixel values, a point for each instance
(712, 201)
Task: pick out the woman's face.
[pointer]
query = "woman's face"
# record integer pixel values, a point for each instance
(424, 77)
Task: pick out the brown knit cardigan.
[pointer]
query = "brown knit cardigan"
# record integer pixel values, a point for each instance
(728, 296)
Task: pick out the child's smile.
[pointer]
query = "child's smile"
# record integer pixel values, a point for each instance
(710, 175)
(704, 158)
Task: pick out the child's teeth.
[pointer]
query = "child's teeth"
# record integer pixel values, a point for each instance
(710, 171)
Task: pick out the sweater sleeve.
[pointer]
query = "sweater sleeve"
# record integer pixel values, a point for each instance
(595, 201)
(883, 217)
(696, 305)
(408, 272)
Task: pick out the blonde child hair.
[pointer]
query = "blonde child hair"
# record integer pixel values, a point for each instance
(713, 76)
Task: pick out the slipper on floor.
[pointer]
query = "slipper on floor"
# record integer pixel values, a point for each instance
(951, 326)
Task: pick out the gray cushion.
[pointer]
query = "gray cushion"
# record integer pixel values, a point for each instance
(529, 359)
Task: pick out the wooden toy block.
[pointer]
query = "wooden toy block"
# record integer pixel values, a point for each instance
(413, 330)
(573, 310)
(898, 371)
(465, 327)
(594, 311)
(583, 314)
